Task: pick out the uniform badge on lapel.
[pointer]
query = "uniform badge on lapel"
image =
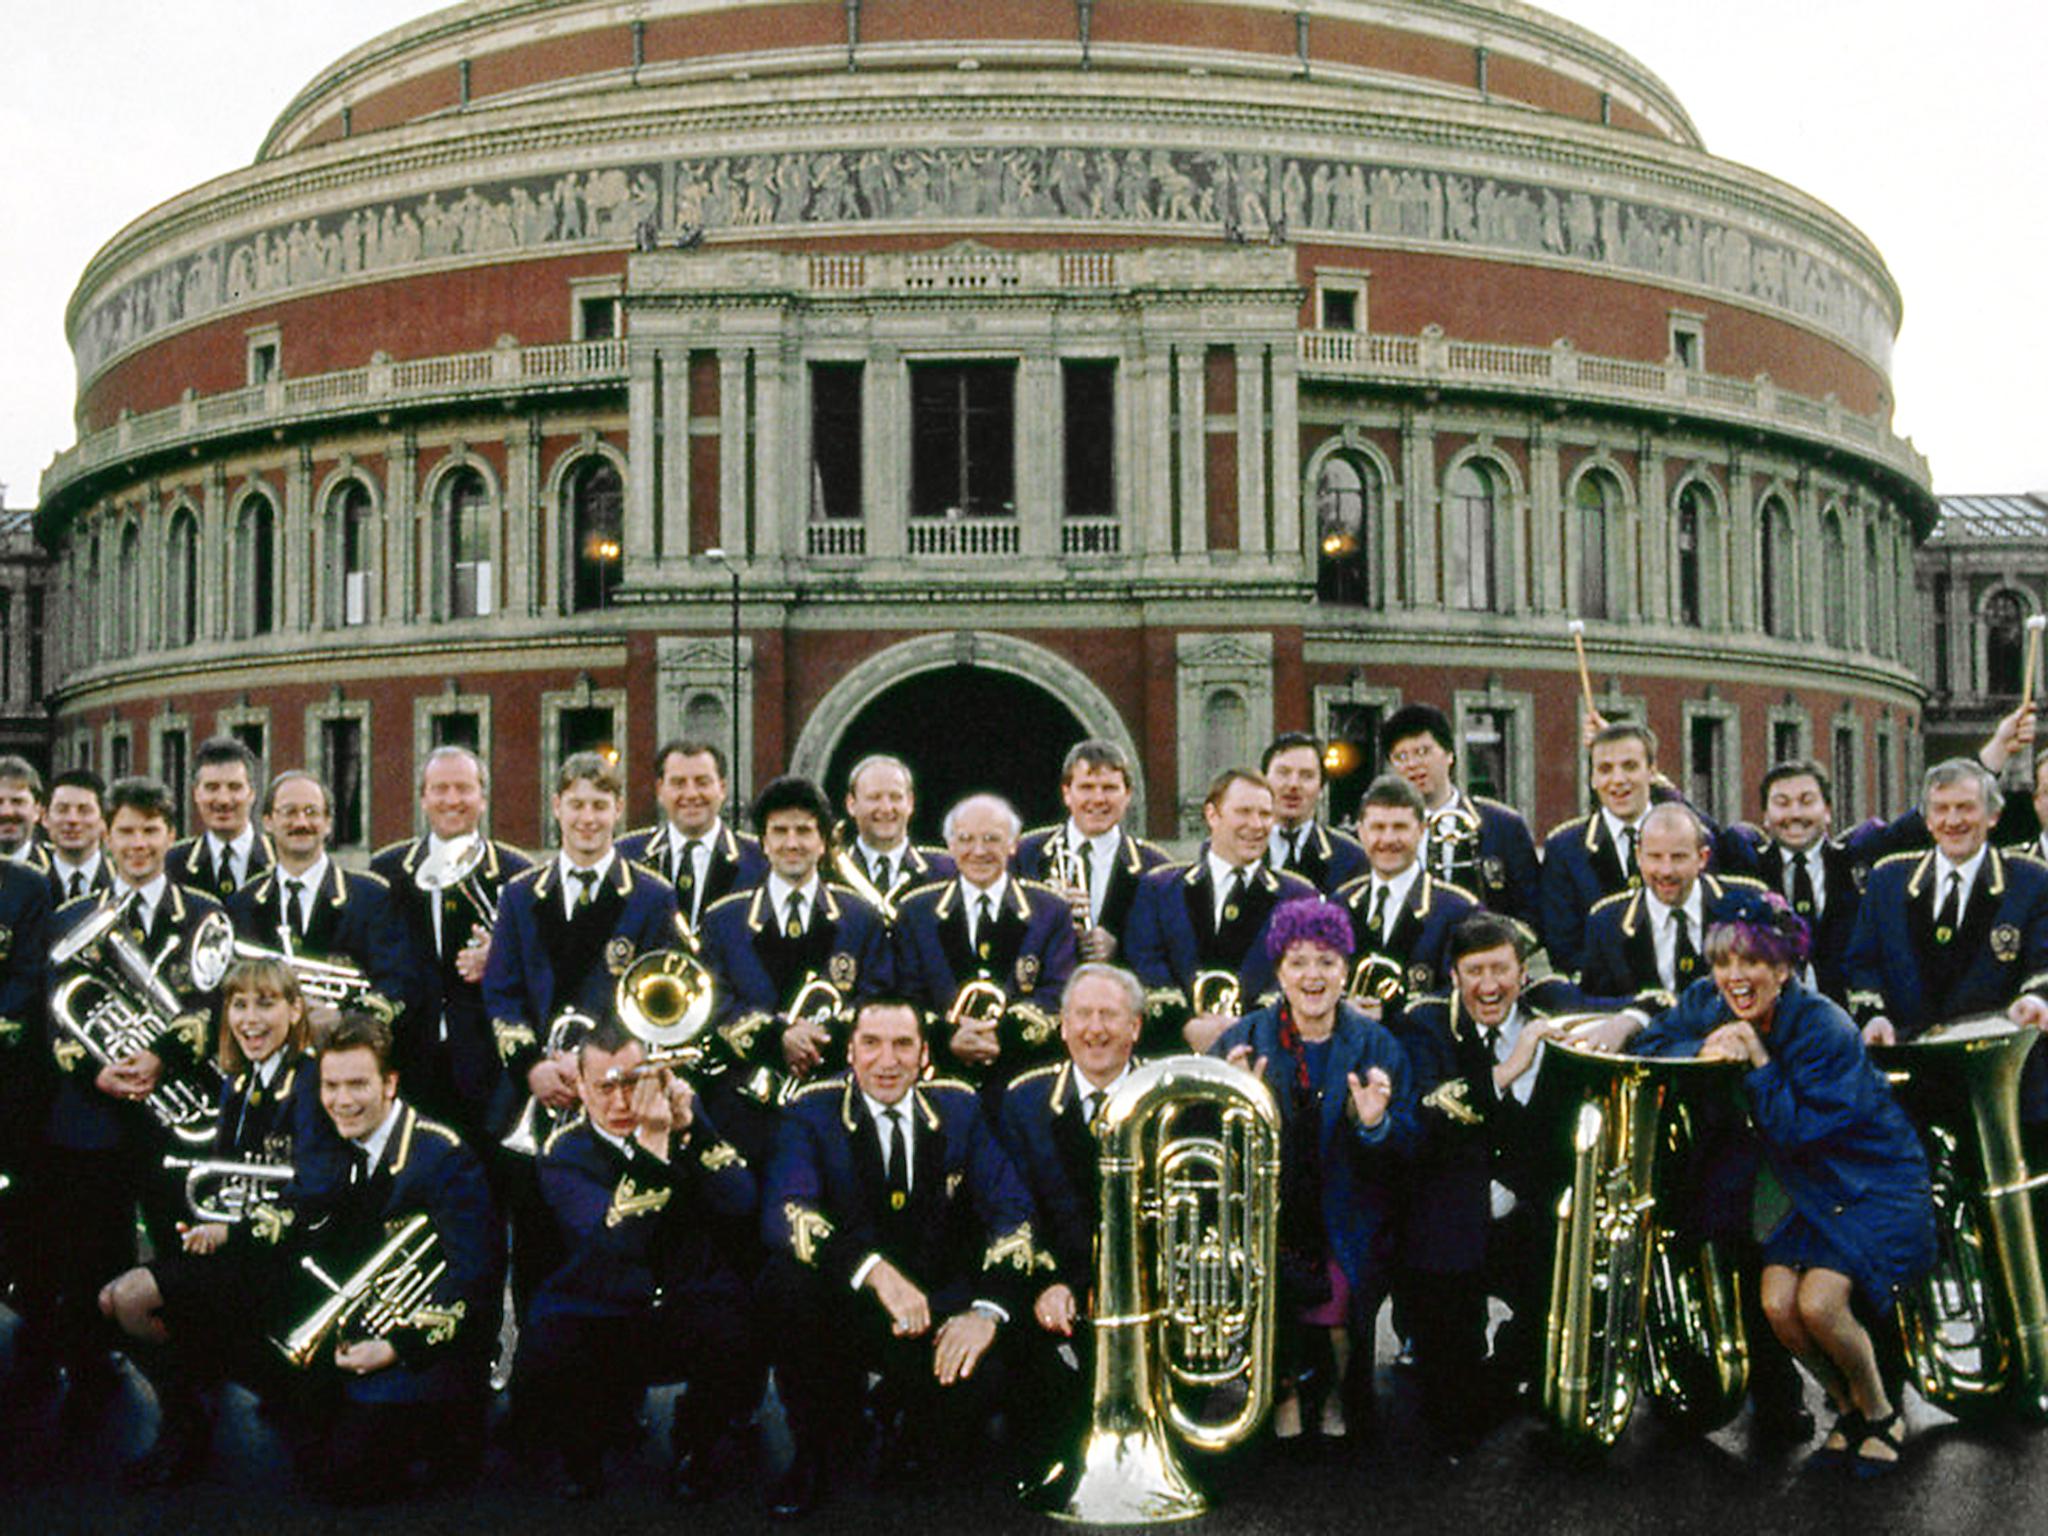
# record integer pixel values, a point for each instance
(1027, 973)
(1494, 872)
(618, 955)
(842, 970)
(6, 941)
(1418, 978)
(2005, 943)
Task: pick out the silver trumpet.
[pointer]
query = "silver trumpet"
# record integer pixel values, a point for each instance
(113, 1003)
(219, 1189)
(458, 866)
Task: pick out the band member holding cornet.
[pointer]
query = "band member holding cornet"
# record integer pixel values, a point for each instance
(387, 1393)
(1013, 937)
(1846, 1214)
(1089, 858)
(1401, 913)
(1481, 845)
(1327, 859)
(444, 887)
(1348, 1128)
(307, 906)
(647, 1196)
(1208, 919)
(701, 857)
(187, 1313)
(103, 1140)
(880, 861)
(899, 1241)
(789, 958)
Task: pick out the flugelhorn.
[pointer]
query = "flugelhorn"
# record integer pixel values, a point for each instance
(114, 1004)
(536, 1121)
(1185, 1289)
(223, 1190)
(393, 1289)
(1628, 1308)
(457, 865)
(1976, 1327)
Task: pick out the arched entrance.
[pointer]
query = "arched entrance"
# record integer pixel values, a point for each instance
(963, 730)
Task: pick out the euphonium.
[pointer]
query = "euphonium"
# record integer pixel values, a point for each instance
(223, 1190)
(536, 1121)
(392, 1289)
(665, 1001)
(1185, 1289)
(1976, 1328)
(1628, 1305)
(114, 1004)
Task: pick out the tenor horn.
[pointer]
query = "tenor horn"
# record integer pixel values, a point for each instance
(1185, 1290)
(458, 866)
(1976, 1327)
(392, 1289)
(1629, 1307)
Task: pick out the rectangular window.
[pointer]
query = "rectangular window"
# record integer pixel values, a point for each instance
(836, 490)
(963, 440)
(1784, 740)
(1705, 767)
(120, 758)
(341, 768)
(1689, 342)
(1352, 758)
(1340, 309)
(1488, 753)
(263, 363)
(1847, 804)
(173, 746)
(1088, 390)
(588, 730)
(458, 728)
(598, 318)
(250, 734)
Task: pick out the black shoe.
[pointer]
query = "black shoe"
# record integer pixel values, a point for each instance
(795, 1493)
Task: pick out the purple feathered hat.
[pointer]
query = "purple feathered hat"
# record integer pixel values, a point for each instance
(1760, 924)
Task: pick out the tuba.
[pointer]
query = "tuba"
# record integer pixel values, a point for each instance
(114, 1003)
(224, 1190)
(1976, 1328)
(1185, 1290)
(536, 1121)
(1629, 1307)
(392, 1289)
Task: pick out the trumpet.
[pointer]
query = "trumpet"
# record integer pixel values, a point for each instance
(330, 983)
(226, 1191)
(115, 1004)
(392, 1289)
(458, 866)
(1185, 1287)
(536, 1121)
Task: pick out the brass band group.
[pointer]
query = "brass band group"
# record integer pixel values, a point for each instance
(1041, 1151)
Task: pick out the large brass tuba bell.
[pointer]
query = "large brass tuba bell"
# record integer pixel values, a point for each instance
(1976, 1328)
(1185, 1289)
(1629, 1306)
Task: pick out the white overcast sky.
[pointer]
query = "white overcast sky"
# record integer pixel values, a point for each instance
(1919, 122)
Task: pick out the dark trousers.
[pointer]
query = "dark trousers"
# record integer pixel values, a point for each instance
(1447, 1317)
(580, 1379)
(824, 1337)
(365, 1453)
(84, 1219)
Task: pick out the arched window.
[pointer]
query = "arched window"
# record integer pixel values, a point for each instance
(1776, 587)
(469, 545)
(255, 594)
(1834, 582)
(2005, 640)
(1596, 501)
(1470, 557)
(1873, 584)
(128, 592)
(1226, 731)
(1693, 510)
(348, 534)
(597, 521)
(1347, 498)
(181, 580)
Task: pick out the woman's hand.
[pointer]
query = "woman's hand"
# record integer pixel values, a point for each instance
(1240, 1056)
(1369, 1099)
(1735, 1041)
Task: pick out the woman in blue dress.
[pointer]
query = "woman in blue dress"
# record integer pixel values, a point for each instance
(1842, 1202)
(1348, 1127)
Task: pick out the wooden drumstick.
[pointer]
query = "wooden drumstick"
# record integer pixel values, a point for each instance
(1578, 628)
(2035, 624)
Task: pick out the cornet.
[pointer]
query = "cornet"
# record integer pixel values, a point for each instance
(1070, 877)
(332, 983)
(225, 1191)
(536, 1121)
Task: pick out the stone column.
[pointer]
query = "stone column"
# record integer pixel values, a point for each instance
(1419, 496)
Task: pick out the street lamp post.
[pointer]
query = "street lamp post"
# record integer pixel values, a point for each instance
(733, 570)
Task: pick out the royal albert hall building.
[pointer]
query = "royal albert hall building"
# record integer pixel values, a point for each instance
(1172, 371)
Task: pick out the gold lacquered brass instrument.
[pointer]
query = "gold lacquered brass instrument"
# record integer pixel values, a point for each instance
(223, 1190)
(114, 1004)
(1628, 1307)
(1215, 993)
(1976, 1328)
(456, 866)
(1069, 876)
(665, 1000)
(393, 1289)
(978, 1001)
(1185, 1289)
(536, 1121)
(1375, 980)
